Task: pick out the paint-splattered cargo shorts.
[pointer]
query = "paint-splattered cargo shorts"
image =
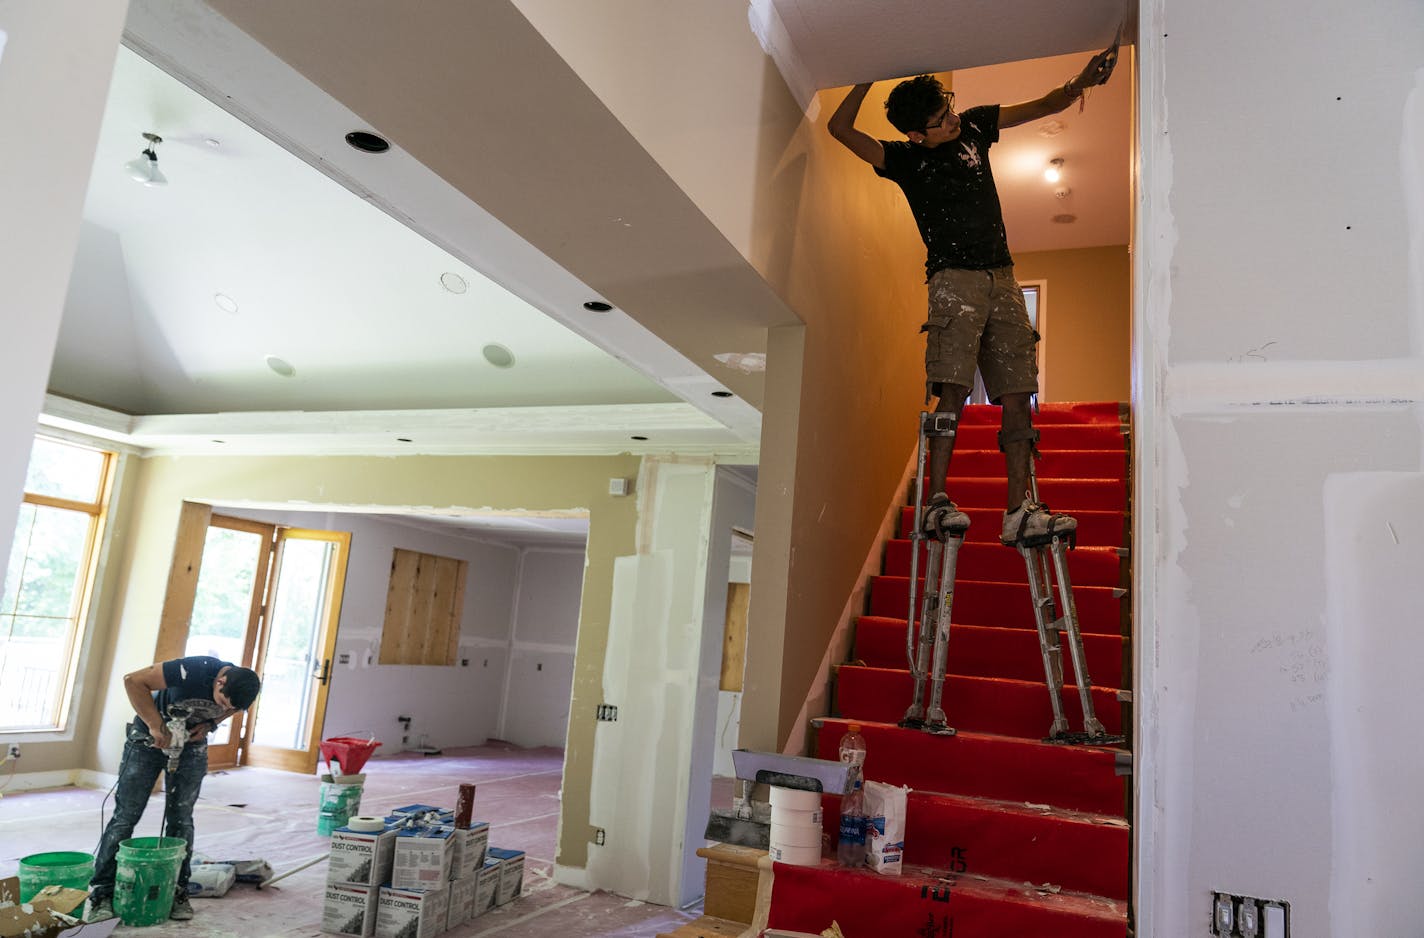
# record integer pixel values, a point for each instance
(978, 319)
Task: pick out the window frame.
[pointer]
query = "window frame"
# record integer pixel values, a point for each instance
(91, 566)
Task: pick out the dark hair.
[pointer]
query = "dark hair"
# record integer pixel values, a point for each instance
(913, 102)
(242, 685)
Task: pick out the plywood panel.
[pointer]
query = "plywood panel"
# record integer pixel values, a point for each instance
(734, 636)
(423, 609)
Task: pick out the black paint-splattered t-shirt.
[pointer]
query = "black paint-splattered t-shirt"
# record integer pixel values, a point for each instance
(951, 192)
(189, 686)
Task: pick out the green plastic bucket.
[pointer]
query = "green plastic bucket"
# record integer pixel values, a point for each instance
(337, 803)
(147, 878)
(65, 868)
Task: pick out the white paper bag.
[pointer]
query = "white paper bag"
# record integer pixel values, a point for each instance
(885, 827)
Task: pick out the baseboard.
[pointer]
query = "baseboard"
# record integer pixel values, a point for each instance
(575, 876)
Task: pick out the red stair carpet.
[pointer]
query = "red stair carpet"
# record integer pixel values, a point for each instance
(1006, 836)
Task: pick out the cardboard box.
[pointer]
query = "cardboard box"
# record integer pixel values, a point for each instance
(361, 857)
(486, 887)
(511, 874)
(411, 913)
(52, 913)
(350, 909)
(422, 857)
(462, 897)
(470, 846)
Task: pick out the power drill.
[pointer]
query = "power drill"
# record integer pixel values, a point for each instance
(177, 727)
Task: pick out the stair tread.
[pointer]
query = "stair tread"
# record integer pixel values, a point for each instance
(1068, 686)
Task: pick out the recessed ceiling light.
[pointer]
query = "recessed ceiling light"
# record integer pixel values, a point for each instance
(367, 142)
(597, 306)
(1064, 219)
(225, 303)
(213, 142)
(281, 366)
(721, 393)
(637, 438)
(498, 356)
(453, 282)
(402, 439)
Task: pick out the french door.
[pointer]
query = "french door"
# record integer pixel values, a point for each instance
(268, 597)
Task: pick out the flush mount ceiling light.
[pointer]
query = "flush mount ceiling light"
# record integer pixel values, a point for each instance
(281, 366)
(144, 168)
(367, 142)
(1054, 172)
(498, 356)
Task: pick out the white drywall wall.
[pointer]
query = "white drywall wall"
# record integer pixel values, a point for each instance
(54, 79)
(541, 673)
(1278, 368)
(652, 673)
(451, 706)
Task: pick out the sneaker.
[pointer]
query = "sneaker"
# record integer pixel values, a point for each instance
(943, 519)
(1032, 524)
(182, 908)
(99, 909)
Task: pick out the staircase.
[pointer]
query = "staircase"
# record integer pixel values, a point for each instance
(1006, 835)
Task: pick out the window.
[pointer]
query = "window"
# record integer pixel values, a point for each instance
(49, 580)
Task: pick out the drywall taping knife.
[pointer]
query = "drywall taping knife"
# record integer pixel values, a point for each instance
(1106, 62)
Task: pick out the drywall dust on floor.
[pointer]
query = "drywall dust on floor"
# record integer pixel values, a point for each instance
(250, 813)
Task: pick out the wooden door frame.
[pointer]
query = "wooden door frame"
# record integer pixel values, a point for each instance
(231, 753)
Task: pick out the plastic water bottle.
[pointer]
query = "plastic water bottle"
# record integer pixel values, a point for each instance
(851, 849)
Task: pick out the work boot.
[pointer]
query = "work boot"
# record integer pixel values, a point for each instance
(99, 909)
(1032, 524)
(943, 519)
(182, 908)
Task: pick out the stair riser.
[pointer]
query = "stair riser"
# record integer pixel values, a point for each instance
(1009, 841)
(1002, 604)
(981, 561)
(991, 492)
(983, 652)
(980, 705)
(1055, 464)
(806, 899)
(1093, 413)
(1050, 437)
(1071, 777)
(1095, 528)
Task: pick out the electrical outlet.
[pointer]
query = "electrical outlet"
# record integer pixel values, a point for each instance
(14, 751)
(598, 837)
(1235, 916)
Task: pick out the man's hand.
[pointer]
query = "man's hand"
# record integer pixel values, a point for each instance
(161, 737)
(1098, 70)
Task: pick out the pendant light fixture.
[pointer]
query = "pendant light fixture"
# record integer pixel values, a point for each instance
(145, 169)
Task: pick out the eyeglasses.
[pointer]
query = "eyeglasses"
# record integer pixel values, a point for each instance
(948, 109)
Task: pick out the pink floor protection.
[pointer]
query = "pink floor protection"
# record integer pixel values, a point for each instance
(253, 813)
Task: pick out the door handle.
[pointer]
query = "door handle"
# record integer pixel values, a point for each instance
(325, 673)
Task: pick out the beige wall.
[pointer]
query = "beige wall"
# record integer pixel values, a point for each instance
(837, 244)
(1086, 329)
(160, 485)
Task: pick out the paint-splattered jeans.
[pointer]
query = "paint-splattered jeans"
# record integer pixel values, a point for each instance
(140, 768)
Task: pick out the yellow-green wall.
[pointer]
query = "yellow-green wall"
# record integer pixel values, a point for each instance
(1087, 339)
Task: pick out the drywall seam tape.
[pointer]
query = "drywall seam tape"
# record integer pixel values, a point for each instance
(366, 824)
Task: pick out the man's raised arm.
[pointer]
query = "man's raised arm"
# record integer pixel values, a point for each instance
(842, 127)
(1096, 72)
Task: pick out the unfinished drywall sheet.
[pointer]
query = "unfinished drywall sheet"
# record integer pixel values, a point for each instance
(639, 789)
(1246, 670)
(1375, 554)
(535, 709)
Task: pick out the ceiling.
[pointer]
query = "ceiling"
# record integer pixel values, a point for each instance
(269, 242)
